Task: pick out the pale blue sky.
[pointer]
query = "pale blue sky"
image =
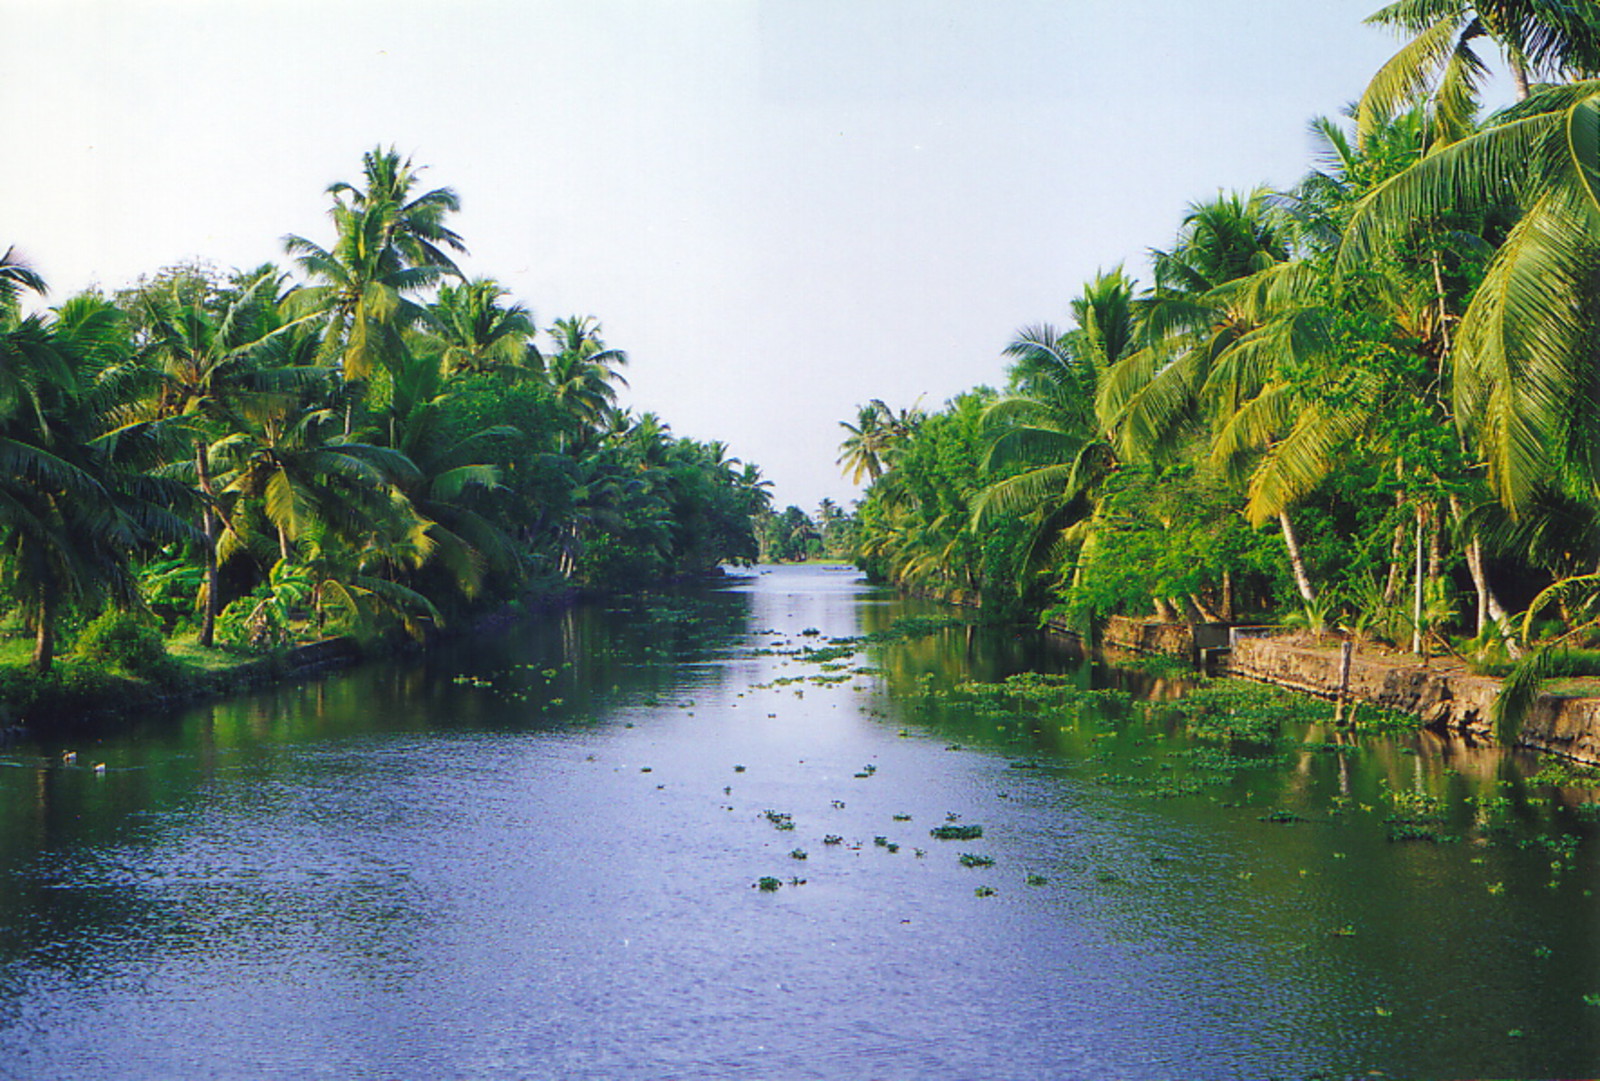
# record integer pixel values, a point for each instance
(779, 208)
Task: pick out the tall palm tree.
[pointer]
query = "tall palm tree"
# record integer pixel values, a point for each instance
(205, 380)
(414, 222)
(388, 244)
(583, 374)
(875, 439)
(73, 510)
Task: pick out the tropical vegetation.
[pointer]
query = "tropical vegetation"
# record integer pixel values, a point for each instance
(1367, 401)
(364, 442)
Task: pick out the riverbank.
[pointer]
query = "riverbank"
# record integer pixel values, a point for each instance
(1441, 691)
(77, 695)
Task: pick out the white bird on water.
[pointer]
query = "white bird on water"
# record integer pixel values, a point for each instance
(69, 758)
(100, 769)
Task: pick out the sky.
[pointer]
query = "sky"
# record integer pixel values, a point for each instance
(779, 209)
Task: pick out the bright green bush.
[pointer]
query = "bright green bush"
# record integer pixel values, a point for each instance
(126, 642)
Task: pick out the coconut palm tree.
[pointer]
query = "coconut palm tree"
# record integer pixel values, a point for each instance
(472, 331)
(1521, 358)
(201, 359)
(388, 244)
(1439, 66)
(1047, 444)
(74, 509)
(583, 374)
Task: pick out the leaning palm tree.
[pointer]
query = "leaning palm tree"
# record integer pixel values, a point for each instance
(1153, 398)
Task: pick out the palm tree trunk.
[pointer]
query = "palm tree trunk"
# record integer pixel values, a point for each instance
(1297, 564)
(208, 526)
(1416, 595)
(1489, 607)
(44, 638)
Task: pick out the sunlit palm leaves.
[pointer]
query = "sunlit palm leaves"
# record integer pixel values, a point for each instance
(1523, 370)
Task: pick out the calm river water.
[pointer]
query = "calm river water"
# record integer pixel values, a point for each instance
(537, 857)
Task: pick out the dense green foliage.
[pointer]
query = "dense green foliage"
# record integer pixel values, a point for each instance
(369, 444)
(1364, 401)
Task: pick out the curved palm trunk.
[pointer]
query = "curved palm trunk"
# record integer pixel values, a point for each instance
(1297, 564)
(208, 526)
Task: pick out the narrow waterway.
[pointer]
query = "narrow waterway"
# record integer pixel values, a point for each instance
(539, 856)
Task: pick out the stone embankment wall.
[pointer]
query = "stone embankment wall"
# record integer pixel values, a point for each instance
(1444, 694)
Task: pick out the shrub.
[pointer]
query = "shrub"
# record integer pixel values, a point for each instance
(126, 642)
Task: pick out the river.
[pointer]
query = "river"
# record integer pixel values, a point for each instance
(540, 855)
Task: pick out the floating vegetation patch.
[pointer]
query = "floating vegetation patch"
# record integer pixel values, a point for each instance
(1160, 665)
(955, 832)
(779, 819)
(768, 884)
(1234, 710)
(971, 859)
(1283, 817)
(1415, 816)
(1563, 774)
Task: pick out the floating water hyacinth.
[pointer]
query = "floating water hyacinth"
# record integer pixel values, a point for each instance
(970, 859)
(956, 833)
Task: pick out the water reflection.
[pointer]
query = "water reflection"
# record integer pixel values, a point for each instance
(533, 855)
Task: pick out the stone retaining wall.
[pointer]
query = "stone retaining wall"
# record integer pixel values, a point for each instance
(1444, 694)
